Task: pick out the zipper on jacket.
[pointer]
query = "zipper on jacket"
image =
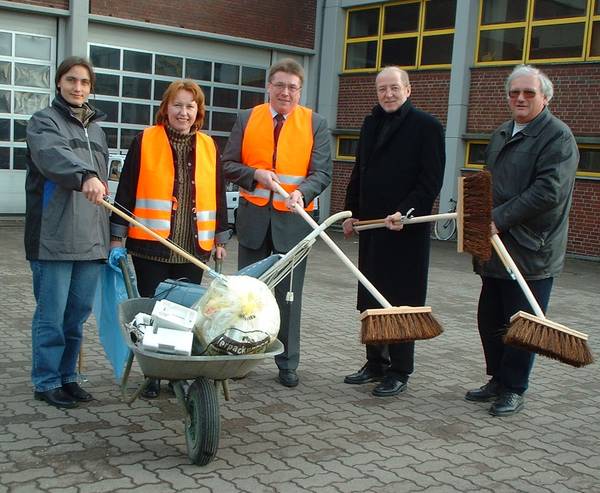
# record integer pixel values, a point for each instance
(87, 138)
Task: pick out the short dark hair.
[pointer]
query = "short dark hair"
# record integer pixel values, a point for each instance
(289, 66)
(70, 62)
(162, 117)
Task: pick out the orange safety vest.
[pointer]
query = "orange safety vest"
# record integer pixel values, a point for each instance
(154, 200)
(294, 149)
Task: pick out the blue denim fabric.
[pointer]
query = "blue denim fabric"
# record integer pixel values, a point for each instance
(64, 292)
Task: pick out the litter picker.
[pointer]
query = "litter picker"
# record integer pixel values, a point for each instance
(535, 332)
(473, 216)
(381, 325)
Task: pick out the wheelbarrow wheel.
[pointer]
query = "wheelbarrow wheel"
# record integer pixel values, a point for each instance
(202, 423)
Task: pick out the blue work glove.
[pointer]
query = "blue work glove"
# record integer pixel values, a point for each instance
(115, 255)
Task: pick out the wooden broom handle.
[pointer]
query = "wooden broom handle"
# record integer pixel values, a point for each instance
(159, 238)
(359, 275)
(380, 223)
(512, 268)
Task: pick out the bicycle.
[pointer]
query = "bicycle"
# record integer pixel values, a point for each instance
(446, 230)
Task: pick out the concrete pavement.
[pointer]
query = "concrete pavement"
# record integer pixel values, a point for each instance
(322, 436)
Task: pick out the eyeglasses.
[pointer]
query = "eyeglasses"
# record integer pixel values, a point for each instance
(527, 93)
(282, 86)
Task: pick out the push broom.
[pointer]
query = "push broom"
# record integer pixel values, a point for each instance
(535, 332)
(385, 325)
(473, 216)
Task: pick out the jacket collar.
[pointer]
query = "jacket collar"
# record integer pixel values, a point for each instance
(534, 127)
(395, 121)
(61, 105)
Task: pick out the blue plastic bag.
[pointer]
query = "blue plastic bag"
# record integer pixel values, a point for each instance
(111, 291)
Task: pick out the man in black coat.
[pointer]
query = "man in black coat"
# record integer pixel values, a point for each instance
(399, 166)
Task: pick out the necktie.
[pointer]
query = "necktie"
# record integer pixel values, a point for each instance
(279, 119)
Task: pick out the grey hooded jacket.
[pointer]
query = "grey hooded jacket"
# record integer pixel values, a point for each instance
(533, 175)
(61, 224)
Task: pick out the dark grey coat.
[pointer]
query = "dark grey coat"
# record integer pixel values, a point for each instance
(403, 170)
(533, 177)
(61, 224)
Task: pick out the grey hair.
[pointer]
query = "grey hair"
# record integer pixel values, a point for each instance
(393, 68)
(530, 70)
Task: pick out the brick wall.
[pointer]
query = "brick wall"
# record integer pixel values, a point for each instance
(584, 225)
(56, 4)
(341, 177)
(576, 97)
(278, 21)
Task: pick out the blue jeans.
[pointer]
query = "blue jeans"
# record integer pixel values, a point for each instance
(64, 292)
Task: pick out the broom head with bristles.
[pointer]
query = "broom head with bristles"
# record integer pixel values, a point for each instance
(398, 324)
(474, 215)
(542, 336)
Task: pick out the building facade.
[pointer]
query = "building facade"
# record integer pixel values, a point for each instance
(457, 52)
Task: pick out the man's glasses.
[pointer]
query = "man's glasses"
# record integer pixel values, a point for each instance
(527, 93)
(281, 86)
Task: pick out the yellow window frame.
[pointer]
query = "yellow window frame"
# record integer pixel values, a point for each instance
(380, 38)
(468, 153)
(593, 19)
(529, 24)
(338, 155)
(589, 174)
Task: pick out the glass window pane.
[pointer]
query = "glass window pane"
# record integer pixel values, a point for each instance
(440, 14)
(361, 55)
(104, 57)
(347, 147)
(4, 129)
(6, 44)
(227, 73)
(136, 61)
(160, 86)
(107, 84)
(5, 68)
(250, 99)
(589, 160)
(476, 154)
(32, 47)
(437, 50)
(4, 101)
(135, 87)
(557, 41)
(253, 77)
(135, 113)
(597, 10)
(207, 90)
(27, 103)
(198, 69)
(401, 52)
(555, 9)
(500, 11)
(206, 122)
(4, 157)
(501, 44)
(363, 23)
(111, 108)
(111, 137)
(226, 98)
(168, 65)
(127, 136)
(595, 46)
(401, 18)
(32, 75)
(19, 130)
(20, 158)
(223, 122)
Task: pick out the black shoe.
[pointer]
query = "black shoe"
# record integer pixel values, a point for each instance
(152, 390)
(489, 392)
(289, 378)
(507, 404)
(364, 375)
(57, 398)
(74, 391)
(390, 386)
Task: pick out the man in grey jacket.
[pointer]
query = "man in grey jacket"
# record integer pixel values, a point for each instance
(278, 142)
(533, 159)
(66, 230)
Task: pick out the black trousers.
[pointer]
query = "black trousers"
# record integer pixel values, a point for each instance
(499, 300)
(392, 359)
(150, 274)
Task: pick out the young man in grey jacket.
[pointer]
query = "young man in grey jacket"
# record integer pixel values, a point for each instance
(533, 159)
(66, 230)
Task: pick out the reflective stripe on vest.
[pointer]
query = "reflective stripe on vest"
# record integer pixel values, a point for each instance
(294, 149)
(154, 196)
